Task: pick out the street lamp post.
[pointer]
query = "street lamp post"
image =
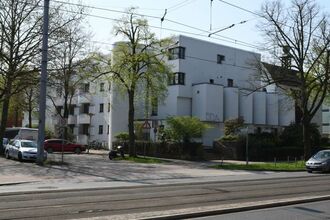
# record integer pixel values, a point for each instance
(43, 82)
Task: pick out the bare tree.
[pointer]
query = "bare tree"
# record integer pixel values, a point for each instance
(68, 62)
(20, 26)
(300, 35)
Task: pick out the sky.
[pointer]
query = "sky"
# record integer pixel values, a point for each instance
(198, 14)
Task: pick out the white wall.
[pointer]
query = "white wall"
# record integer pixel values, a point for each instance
(231, 103)
(259, 108)
(272, 109)
(246, 106)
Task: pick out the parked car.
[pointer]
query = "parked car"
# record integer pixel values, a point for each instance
(319, 162)
(22, 150)
(56, 145)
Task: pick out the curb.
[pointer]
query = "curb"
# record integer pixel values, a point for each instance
(242, 208)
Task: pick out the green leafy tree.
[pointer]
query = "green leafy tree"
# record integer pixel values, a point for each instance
(300, 38)
(183, 129)
(138, 61)
(232, 125)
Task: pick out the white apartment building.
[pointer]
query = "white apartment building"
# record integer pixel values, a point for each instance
(212, 82)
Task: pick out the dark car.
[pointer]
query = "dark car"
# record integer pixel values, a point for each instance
(319, 162)
(59, 145)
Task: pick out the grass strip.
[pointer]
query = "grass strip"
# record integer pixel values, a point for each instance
(267, 166)
(140, 159)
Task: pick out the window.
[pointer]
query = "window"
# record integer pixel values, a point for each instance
(109, 107)
(325, 124)
(59, 109)
(71, 109)
(211, 81)
(101, 87)
(178, 79)
(220, 58)
(230, 82)
(325, 110)
(108, 129)
(176, 53)
(71, 128)
(86, 87)
(154, 108)
(100, 129)
(101, 107)
(85, 109)
(85, 129)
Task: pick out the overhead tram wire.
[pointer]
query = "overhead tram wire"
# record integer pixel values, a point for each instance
(242, 43)
(222, 38)
(256, 14)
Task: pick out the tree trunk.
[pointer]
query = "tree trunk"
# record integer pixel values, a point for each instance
(132, 150)
(4, 117)
(30, 116)
(307, 139)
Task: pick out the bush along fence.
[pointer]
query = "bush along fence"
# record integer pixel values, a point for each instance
(190, 151)
(261, 147)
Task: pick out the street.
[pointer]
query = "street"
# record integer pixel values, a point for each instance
(307, 211)
(154, 200)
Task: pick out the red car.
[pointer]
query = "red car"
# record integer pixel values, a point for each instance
(55, 145)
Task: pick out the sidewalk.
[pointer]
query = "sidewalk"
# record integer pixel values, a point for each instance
(95, 170)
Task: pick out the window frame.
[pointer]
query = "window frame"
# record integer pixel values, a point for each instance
(177, 53)
(101, 108)
(220, 58)
(100, 129)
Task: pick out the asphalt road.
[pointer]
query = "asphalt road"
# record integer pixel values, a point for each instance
(131, 200)
(307, 211)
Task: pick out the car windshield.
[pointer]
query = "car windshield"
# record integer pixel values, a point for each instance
(29, 144)
(322, 155)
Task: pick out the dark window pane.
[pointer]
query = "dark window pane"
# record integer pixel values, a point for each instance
(100, 129)
(101, 107)
(177, 53)
(220, 58)
(230, 82)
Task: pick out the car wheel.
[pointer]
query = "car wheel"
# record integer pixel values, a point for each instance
(77, 150)
(309, 171)
(7, 154)
(49, 150)
(20, 158)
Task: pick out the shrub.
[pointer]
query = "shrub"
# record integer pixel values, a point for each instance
(122, 136)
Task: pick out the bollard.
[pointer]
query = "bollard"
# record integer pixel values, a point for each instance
(275, 161)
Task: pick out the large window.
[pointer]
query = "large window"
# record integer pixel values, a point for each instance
(178, 79)
(176, 53)
(101, 107)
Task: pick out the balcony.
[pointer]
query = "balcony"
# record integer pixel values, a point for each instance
(72, 119)
(84, 98)
(84, 119)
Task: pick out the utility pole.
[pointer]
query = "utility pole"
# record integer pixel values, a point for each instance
(43, 82)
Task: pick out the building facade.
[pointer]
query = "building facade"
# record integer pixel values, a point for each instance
(211, 82)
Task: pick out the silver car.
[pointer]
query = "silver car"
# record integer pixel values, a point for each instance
(319, 162)
(22, 150)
